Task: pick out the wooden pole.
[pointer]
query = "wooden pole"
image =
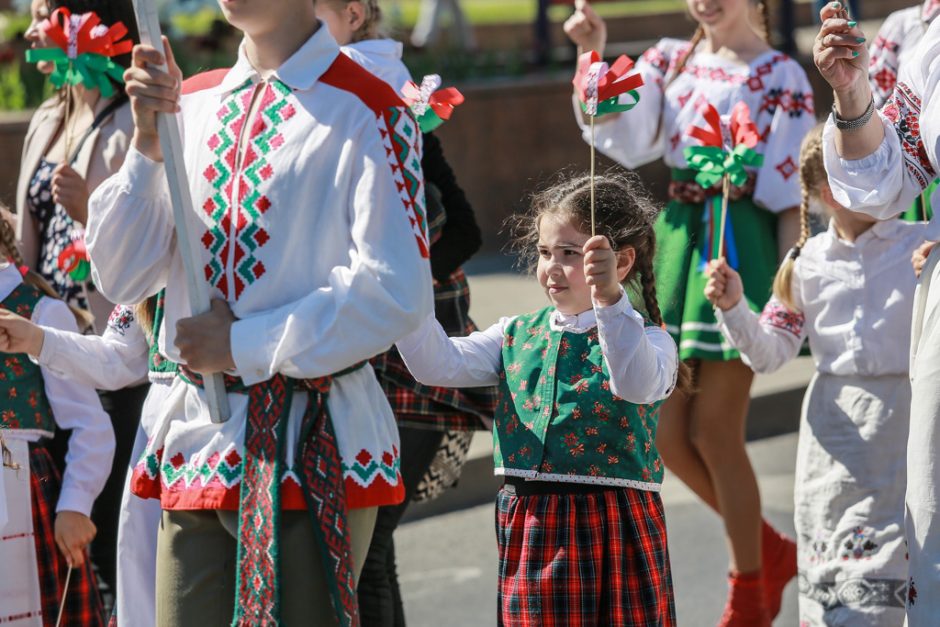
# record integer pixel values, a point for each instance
(65, 593)
(593, 160)
(171, 143)
(725, 192)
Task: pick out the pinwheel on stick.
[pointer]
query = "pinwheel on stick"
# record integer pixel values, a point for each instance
(727, 148)
(82, 54)
(430, 105)
(599, 88)
(74, 261)
(84, 50)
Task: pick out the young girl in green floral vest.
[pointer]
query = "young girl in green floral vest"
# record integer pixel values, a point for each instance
(580, 527)
(44, 515)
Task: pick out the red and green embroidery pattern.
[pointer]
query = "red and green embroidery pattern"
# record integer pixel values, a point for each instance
(255, 170)
(220, 174)
(400, 136)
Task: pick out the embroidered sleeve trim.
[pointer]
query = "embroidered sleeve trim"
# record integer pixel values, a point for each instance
(120, 319)
(776, 315)
(903, 110)
(401, 137)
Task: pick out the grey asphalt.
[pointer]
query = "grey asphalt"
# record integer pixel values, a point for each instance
(447, 549)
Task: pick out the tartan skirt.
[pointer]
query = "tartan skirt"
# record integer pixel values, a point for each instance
(83, 604)
(579, 560)
(428, 407)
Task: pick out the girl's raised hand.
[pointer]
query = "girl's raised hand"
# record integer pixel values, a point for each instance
(152, 91)
(840, 51)
(586, 28)
(601, 270)
(19, 335)
(724, 288)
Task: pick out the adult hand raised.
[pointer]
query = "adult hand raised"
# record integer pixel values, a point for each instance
(841, 56)
(586, 28)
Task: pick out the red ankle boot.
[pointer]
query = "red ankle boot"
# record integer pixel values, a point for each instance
(778, 559)
(745, 607)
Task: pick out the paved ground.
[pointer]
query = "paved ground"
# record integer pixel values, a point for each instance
(447, 563)
(447, 552)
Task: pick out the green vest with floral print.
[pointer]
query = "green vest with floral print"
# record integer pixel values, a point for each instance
(557, 420)
(24, 403)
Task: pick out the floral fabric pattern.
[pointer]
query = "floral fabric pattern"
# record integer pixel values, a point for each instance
(56, 231)
(556, 418)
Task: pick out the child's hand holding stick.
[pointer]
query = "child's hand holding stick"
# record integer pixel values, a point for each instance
(605, 269)
(74, 532)
(724, 288)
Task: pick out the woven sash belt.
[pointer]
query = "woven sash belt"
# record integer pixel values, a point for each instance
(319, 468)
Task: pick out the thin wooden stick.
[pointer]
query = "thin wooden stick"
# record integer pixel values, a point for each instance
(593, 227)
(70, 93)
(725, 192)
(65, 594)
(923, 205)
(171, 144)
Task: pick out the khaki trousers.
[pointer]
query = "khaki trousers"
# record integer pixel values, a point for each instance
(196, 563)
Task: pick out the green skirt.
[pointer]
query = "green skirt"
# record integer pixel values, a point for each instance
(921, 209)
(682, 235)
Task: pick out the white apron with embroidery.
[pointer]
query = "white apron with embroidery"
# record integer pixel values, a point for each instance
(20, 601)
(849, 492)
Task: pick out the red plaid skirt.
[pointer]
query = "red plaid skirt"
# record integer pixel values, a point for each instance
(581, 560)
(427, 407)
(83, 605)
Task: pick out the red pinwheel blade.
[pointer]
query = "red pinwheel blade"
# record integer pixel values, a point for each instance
(584, 64)
(743, 129)
(712, 135)
(444, 100)
(615, 82)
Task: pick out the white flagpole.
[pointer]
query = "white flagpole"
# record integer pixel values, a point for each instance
(148, 24)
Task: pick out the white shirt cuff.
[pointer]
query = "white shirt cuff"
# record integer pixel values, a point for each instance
(622, 306)
(735, 315)
(250, 349)
(73, 499)
(143, 177)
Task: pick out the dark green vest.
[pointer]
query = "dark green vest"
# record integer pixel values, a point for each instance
(557, 420)
(24, 404)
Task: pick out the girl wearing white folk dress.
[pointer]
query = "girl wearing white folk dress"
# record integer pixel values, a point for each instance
(849, 290)
(878, 162)
(702, 436)
(44, 516)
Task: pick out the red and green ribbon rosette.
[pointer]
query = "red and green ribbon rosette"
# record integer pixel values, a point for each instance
(84, 50)
(727, 147)
(727, 150)
(599, 86)
(74, 261)
(430, 105)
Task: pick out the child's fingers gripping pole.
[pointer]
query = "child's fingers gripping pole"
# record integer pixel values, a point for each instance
(171, 144)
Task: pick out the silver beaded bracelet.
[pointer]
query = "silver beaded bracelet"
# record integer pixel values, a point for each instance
(857, 123)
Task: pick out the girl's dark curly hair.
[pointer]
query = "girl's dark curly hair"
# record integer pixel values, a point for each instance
(624, 213)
